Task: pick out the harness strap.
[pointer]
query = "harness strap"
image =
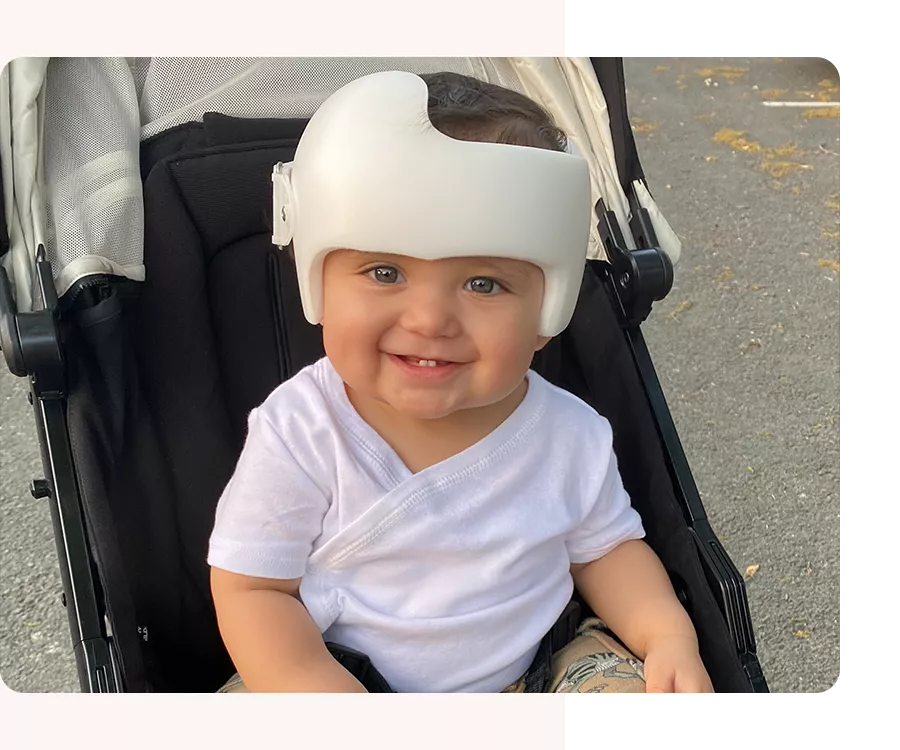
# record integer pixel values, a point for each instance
(361, 667)
(537, 678)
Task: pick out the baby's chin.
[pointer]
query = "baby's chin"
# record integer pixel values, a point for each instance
(434, 410)
(426, 412)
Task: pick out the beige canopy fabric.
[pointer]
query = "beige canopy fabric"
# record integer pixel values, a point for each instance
(567, 87)
(21, 116)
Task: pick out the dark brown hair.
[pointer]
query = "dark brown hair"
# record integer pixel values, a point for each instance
(468, 109)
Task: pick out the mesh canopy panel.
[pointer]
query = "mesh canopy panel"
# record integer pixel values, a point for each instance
(173, 91)
(91, 163)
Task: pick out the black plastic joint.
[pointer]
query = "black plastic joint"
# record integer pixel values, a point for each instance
(40, 488)
(30, 340)
(648, 275)
(641, 276)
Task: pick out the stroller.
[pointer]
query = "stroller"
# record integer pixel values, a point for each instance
(141, 295)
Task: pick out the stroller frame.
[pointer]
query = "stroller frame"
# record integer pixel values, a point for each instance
(632, 278)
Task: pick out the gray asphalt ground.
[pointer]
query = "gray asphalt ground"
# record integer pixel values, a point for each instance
(746, 346)
(747, 343)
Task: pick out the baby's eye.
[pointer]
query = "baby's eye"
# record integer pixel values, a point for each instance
(384, 274)
(483, 285)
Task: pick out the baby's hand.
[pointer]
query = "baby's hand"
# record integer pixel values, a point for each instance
(673, 665)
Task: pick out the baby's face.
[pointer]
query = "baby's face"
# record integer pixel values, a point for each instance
(429, 338)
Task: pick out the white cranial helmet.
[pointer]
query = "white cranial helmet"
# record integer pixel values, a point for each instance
(371, 173)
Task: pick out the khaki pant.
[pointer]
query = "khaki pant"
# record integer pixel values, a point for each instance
(593, 662)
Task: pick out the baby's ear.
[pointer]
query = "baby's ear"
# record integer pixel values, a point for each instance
(542, 342)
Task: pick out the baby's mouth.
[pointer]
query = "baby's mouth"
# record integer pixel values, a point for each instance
(420, 362)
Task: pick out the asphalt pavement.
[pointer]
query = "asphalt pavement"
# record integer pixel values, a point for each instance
(746, 346)
(747, 343)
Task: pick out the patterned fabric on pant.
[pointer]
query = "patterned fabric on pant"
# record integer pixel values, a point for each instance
(234, 685)
(593, 662)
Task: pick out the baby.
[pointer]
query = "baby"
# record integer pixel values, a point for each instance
(419, 494)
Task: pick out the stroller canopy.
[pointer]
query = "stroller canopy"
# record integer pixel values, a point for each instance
(72, 129)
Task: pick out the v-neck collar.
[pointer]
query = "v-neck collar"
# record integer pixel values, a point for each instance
(524, 417)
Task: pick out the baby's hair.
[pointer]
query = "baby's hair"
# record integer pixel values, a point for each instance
(468, 109)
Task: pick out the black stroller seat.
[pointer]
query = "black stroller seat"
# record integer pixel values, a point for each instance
(217, 325)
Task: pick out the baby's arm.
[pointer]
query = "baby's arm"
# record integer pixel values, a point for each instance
(272, 639)
(629, 590)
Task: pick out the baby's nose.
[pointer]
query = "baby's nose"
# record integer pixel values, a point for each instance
(430, 312)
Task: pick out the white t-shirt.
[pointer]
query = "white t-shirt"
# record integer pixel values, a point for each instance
(448, 578)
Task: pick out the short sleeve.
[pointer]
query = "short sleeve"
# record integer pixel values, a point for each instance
(271, 511)
(610, 520)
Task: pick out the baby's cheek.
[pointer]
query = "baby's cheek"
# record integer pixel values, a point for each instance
(515, 338)
(340, 345)
(511, 358)
(349, 323)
